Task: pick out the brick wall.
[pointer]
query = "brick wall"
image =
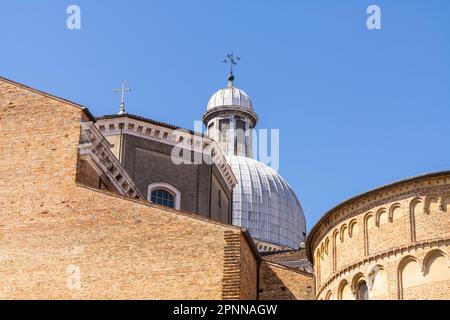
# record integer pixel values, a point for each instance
(387, 284)
(249, 272)
(277, 282)
(430, 291)
(62, 240)
(408, 219)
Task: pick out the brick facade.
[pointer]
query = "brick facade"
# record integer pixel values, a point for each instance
(61, 239)
(67, 233)
(278, 282)
(395, 239)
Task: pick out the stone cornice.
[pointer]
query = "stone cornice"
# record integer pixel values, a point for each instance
(95, 149)
(230, 109)
(417, 186)
(161, 133)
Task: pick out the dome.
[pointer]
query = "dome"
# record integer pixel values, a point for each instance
(230, 96)
(265, 204)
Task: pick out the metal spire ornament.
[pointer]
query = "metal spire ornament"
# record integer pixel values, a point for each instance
(122, 102)
(233, 61)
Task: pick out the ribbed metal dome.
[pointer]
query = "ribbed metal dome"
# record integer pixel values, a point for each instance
(230, 96)
(265, 204)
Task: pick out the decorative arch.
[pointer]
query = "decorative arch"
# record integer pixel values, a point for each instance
(167, 187)
(445, 203)
(317, 267)
(406, 260)
(431, 259)
(327, 245)
(395, 212)
(372, 273)
(317, 254)
(377, 282)
(335, 235)
(322, 250)
(343, 232)
(335, 242)
(329, 295)
(415, 205)
(414, 209)
(356, 279)
(408, 274)
(369, 223)
(431, 203)
(382, 217)
(353, 228)
(344, 291)
(431, 273)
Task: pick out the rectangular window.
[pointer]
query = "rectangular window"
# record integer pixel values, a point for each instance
(210, 130)
(220, 199)
(224, 127)
(239, 144)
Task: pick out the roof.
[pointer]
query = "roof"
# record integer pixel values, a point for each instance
(186, 214)
(285, 256)
(262, 194)
(360, 196)
(51, 96)
(144, 119)
(230, 96)
(294, 260)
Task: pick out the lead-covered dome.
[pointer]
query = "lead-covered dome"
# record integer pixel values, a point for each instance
(265, 204)
(230, 97)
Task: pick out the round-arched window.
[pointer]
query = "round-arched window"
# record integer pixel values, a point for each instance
(363, 291)
(164, 194)
(163, 198)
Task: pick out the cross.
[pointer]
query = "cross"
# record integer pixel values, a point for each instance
(123, 90)
(233, 60)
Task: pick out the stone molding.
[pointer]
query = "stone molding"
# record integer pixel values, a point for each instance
(184, 139)
(95, 149)
(421, 186)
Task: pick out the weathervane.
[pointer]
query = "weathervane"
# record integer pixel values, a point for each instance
(233, 60)
(123, 90)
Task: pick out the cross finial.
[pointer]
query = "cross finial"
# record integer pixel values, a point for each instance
(233, 60)
(123, 90)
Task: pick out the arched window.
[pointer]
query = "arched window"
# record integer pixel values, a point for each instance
(165, 195)
(344, 291)
(362, 292)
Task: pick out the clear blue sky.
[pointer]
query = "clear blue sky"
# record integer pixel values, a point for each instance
(356, 108)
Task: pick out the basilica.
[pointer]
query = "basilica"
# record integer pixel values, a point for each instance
(235, 189)
(95, 207)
